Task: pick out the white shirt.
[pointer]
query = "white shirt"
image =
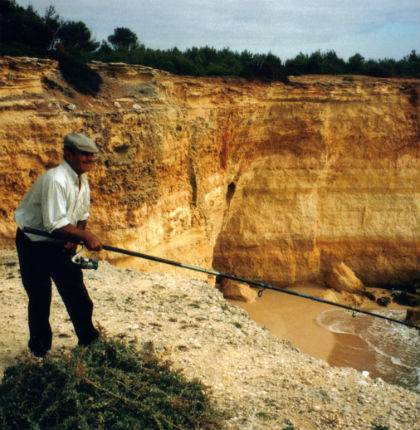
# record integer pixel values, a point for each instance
(54, 201)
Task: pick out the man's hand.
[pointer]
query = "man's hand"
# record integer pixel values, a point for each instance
(70, 232)
(70, 247)
(91, 241)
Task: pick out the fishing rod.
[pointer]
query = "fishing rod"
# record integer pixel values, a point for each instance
(255, 284)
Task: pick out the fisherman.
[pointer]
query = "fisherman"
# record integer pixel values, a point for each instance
(58, 203)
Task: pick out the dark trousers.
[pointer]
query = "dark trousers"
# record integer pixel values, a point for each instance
(41, 262)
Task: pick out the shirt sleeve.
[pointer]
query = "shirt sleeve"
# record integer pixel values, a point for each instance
(54, 205)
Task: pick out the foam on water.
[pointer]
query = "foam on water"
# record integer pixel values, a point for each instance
(335, 321)
(396, 348)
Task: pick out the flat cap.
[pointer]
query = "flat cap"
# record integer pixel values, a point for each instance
(80, 142)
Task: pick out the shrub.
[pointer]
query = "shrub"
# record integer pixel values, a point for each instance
(79, 75)
(106, 386)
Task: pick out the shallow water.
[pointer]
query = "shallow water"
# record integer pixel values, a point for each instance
(394, 350)
(384, 349)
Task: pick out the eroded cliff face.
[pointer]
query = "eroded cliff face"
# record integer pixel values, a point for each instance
(271, 181)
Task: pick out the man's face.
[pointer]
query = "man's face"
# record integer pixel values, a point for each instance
(81, 162)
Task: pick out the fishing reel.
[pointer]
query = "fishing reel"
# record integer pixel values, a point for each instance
(84, 262)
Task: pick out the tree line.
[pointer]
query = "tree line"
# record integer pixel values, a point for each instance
(24, 32)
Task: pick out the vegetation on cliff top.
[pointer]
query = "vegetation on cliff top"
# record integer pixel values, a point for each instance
(106, 386)
(51, 36)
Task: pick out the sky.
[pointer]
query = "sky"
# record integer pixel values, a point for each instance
(373, 28)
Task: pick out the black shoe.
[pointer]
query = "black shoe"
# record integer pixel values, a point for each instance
(90, 340)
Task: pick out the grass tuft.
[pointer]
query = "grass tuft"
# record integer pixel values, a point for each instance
(106, 386)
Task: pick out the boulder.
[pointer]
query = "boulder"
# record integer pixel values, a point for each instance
(352, 299)
(343, 297)
(343, 279)
(413, 317)
(331, 296)
(237, 291)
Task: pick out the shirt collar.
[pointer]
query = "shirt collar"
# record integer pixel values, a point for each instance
(73, 175)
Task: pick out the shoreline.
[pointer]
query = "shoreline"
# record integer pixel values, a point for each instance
(293, 319)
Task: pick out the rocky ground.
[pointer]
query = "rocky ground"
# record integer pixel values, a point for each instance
(260, 381)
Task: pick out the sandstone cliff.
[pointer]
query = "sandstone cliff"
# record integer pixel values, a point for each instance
(271, 181)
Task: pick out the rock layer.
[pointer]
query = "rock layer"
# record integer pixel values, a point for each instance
(275, 182)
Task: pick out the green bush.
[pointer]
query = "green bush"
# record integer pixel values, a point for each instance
(106, 386)
(79, 75)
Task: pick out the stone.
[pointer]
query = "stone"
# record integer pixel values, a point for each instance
(342, 297)
(342, 278)
(406, 299)
(352, 299)
(413, 317)
(237, 291)
(331, 296)
(383, 301)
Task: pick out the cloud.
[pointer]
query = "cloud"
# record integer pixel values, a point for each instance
(284, 27)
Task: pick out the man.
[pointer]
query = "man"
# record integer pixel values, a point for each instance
(58, 203)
